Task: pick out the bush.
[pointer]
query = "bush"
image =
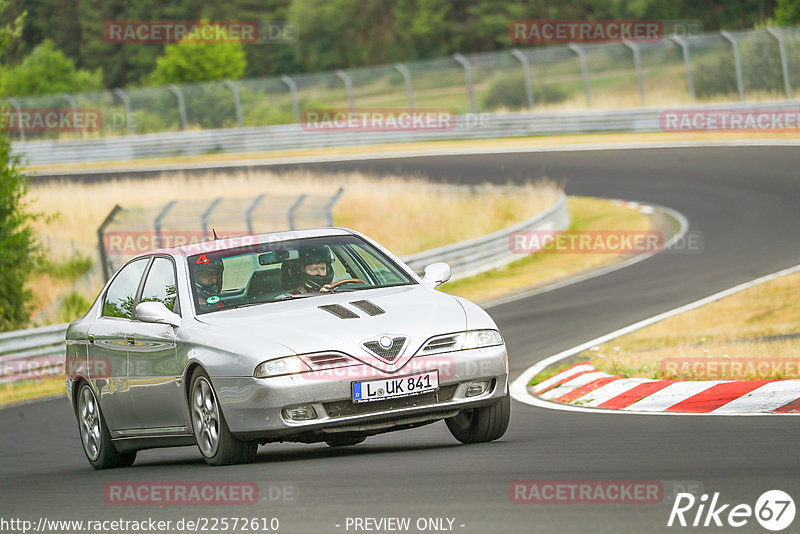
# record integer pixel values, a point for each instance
(19, 252)
(73, 305)
(509, 92)
(47, 71)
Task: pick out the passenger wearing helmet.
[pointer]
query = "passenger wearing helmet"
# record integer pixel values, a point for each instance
(208, 282)
(311, 271)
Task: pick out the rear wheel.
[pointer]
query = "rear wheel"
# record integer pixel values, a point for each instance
(95, 436)
(214, 439)
(345, 442)
(480, 425)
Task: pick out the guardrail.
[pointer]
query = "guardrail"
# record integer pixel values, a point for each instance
(38, 352)
(292, 136)
(32, 353)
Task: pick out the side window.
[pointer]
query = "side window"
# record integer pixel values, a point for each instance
(120, 295)
(160, 285)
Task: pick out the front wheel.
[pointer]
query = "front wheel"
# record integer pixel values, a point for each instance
(480, 425)
(95, 437)
(214, 439)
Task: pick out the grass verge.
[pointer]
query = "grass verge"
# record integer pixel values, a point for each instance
(25, 390)
(587, 214)
(752, 335)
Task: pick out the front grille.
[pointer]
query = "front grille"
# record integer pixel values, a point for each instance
(387, 354)
(442, 342)
(348, 408)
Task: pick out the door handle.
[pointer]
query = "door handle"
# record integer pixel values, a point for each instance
(90, 338)
(130, 340)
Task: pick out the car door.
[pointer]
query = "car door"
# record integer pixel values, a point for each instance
(154, 368)
(108, 339)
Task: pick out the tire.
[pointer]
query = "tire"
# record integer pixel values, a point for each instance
(481, 425)
(214, 439)
(345, 442)
(94, 433)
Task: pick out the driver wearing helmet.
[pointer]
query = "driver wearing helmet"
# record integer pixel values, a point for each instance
(208, 282)
(312, 272)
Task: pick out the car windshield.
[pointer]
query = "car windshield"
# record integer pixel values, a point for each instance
(285, 270)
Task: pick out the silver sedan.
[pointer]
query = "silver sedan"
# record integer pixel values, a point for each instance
(310, 336)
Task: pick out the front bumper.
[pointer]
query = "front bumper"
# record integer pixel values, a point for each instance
(253, 407)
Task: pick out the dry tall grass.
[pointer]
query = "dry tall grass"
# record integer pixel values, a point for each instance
(727, 329)
(407, 214)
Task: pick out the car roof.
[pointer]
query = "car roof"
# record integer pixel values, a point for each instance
(225, 243)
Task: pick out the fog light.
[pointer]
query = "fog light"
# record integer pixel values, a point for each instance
(305, 412)
(476, 388)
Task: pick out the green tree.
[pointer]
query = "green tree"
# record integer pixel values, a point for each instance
(18, 248)
(189, 62)
(787, 12)
(47, 71)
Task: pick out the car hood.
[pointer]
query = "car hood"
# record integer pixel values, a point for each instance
(415, 312)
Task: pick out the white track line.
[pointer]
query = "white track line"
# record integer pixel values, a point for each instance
(518, 387)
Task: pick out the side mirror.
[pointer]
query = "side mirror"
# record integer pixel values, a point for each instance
(156, 312)
(436, 274)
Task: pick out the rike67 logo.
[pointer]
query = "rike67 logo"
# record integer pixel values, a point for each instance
(774, 510)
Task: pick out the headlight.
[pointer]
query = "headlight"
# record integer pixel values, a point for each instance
(475, 339)
(289, 365)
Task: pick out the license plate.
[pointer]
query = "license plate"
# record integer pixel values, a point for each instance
(389, 388)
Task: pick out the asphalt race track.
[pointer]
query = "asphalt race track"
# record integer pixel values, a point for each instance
(745, 201)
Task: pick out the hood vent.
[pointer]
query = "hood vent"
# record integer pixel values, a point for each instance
(368, 307)
(339, 311)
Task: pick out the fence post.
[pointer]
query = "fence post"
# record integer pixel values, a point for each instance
(73, 104)
(787, 83)
(293, 209)
(348, 87)
(181, 106)
(207, 214)
(248, 217)
(526, 72)
(737, 59)
(295, 100)
(127, 101)
(330, 204)
(15, 103)
(687, 64)
(160, 218)
(407, 79)
(637, 62)
(468, 80)
(237, 102)
(584, 71)
(102, 249)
